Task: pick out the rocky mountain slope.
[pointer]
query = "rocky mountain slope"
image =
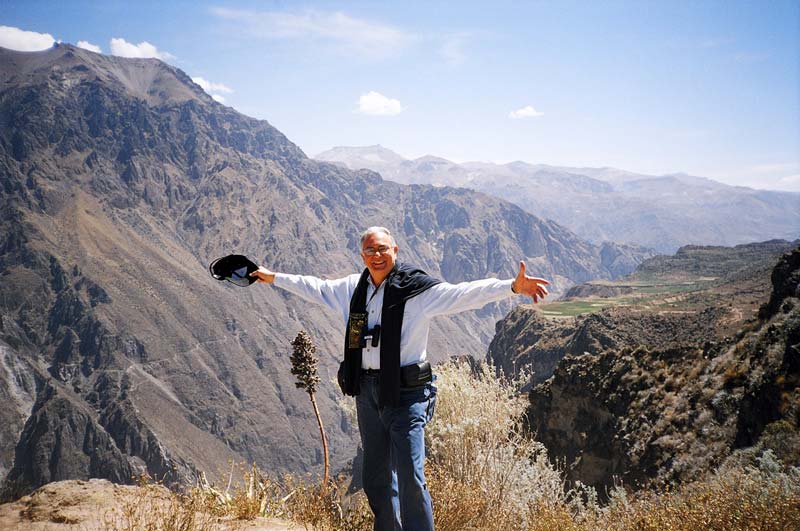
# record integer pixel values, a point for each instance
(657, 396)
(723, 264)
(604, 204)
(694, 267)
(121, 181)
(698, 294)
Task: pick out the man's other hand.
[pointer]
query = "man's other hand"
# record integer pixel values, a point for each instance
(530, 286)
(263, 275)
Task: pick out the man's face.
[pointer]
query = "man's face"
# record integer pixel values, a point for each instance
(379, 255)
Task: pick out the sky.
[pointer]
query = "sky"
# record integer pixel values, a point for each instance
(708, 88)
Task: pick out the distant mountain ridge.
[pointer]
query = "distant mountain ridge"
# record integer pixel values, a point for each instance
(605, 204)
(119, 353)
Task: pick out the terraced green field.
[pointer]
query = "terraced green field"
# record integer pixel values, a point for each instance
(577, 307)
(692, 279)
(661, 295)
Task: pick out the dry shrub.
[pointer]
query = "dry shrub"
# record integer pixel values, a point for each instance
(544, 517)
(763, 499)
(737, 500)
(484, 470)
(313, 505)
(257, 495)
(735, 375)
(329, 509)
(456, 505)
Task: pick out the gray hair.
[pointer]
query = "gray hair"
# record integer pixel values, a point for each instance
(374, 230)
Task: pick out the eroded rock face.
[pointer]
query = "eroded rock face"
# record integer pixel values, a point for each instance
(62, 440)
(652, 413)
(785, 283)
(17, 394)
(526, 339)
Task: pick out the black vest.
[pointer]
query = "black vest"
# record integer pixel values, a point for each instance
(403, 283)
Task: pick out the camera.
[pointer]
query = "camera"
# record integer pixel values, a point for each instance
(372, 336)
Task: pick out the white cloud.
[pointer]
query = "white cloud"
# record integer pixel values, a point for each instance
(350, 35)
(525, 112)
(210, 87)
(780, 175)
(776, 167)
(790, 181)
(144, 49)
(213, 89)
(24, 41)
(376, 104)
(89, 46)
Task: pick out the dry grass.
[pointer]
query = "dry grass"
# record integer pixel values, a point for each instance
(329, 509)
(739, 500)
(155, 508)
(315, 506)
(486, 474)
(257, 495)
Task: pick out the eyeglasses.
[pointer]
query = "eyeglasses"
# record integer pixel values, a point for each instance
(373, 251)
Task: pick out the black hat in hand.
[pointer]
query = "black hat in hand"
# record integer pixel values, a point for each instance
(234, 268)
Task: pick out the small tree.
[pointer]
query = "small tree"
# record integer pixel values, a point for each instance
(304, 367)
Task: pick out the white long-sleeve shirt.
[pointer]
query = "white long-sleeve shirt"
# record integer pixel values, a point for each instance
(442, 299)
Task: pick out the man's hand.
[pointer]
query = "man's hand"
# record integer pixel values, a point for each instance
(530, 286)
(263, 275)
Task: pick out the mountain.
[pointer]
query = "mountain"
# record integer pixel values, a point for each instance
(656, 394)
(377, 157)
(697, 294)
(605, 204)
(121, 181)
(725, 263)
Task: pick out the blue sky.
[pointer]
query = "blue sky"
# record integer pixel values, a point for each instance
(709, 88)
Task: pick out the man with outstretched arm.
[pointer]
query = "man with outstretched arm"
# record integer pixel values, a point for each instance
(387, 309)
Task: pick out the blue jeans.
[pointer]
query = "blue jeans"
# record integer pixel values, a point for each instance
(393, 439)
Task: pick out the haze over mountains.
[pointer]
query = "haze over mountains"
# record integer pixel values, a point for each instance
(121, 181)
(605, 204)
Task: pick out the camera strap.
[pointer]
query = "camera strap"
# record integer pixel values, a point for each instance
(403, 283)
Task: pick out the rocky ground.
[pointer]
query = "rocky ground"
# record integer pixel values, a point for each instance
(99, 505)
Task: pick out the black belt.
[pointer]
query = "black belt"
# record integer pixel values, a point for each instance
(413, 375)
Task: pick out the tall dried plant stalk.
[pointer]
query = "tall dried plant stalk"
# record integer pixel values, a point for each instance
(304, 367)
